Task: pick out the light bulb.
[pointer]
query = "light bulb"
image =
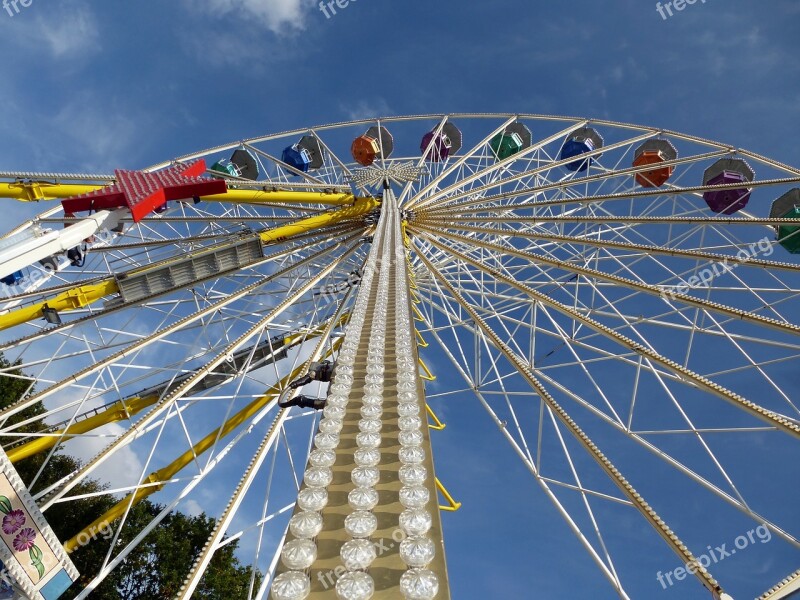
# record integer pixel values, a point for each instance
(412, 474)
(305, 524)
(370, 425)
(367, 457)
(312, 499)
(322, 458)
(337, 400)
(419, 584)
(326, 441)
(414, 496)
(330, 425)
(417, 551)
(410, 438)
(334, 412)
(371, 411)
(410, 396)
(415, 521)
(363, 498)
(411, 454)
(412, 423)
(341, 388)
(299, 554)
(372, 399)
(356, 585)
(360, 524)
(368, 440)
(358, 555)
(365, 476)
(291, 585)
(407, 409)
(406, 375)
(318, 477)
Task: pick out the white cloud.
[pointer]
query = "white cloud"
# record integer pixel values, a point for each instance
(103, 136)
(366, 109)
(91, 132)
(122, 469)
(279, 16)
(66, 31)
(192, 508)
(70, 31)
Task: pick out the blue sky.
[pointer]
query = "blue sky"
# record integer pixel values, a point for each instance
(90, 87)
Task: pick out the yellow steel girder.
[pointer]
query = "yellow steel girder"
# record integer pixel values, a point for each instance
(83, 295)
(33, 191)
(361, 207)
(158, 479)
(120, 411)
(77, 297)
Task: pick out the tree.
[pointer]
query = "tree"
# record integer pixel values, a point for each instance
(156, 568)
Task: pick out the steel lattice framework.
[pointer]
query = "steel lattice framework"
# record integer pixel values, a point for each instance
(628, 341)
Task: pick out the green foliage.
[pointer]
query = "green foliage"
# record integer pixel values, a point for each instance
(156, 568)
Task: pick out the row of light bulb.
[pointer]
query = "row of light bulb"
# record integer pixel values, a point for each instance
(359, 552)
(417, 549)
(305, 525)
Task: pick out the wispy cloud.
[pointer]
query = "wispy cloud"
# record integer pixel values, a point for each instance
(279, 16)
(365, 109)
(67, 30)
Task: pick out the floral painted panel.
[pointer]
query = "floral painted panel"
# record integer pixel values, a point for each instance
(22, 536)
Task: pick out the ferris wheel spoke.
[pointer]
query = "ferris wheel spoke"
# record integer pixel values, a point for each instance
(420, 195)
(684, 374)
(441, 199)
(168, 402)
(653, 290)
(428, 201)
(213, 543)
(180, 324)
(648, 249)
(562, 185)
(479, 387)
(628, 196)
(110, 563)
(248, 359)
(156, 480)
(636, 499)
(313, 238)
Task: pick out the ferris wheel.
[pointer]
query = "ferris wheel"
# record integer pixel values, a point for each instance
(273, 330)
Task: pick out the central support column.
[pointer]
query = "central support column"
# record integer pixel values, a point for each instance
(367, 523)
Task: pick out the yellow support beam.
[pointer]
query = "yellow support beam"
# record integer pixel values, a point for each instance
(77, 297)
(158, 479)
(417, 315)
(428, 376)
(453, 506)
(34, 191)
(360, 208)
(83, 295)
(437, 424)
(406, 239)
(119, 411)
